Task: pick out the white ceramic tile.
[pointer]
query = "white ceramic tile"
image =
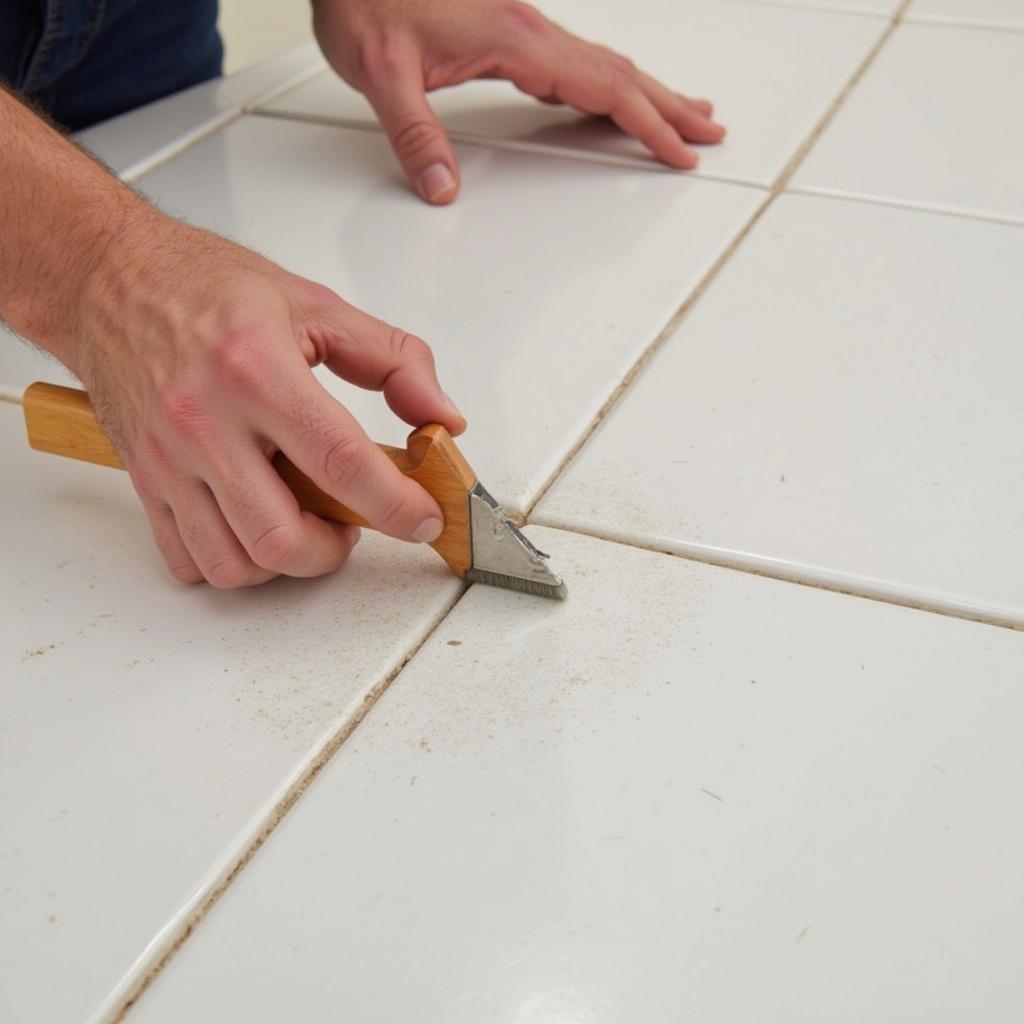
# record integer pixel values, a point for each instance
(685, 794)
(130, 143)
(538, 290)
(994, 13)
(771, 70)
(149, 728)
(934, 123)
(843, 404)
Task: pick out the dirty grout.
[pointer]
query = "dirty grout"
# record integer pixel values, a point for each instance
(327, 752)
(776, 190)
(274, 818)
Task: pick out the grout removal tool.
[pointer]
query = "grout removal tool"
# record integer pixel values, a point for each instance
(479, 542)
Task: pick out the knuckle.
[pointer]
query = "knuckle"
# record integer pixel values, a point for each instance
(620, 83)
(618, 61)
(407, 347)
(240, 362)
(320, 295)
(377, 60)
(276, 548)
(228, 574)
(392, 516)
(525, 19)
(183, 411)
(344, 462)
(413, 135)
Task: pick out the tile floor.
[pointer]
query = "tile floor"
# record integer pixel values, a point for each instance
(935, 124)
(772, 71)
(690, 790)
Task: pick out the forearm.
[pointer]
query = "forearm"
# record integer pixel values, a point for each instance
(59, 212)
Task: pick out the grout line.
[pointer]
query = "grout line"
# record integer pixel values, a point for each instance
(274, 91)
(938, 21)
(818, 192)
(776, 190)
(274, 818)
(585, 156)
(174, 149)
(798, 157)
(645, 357)
(784, 572)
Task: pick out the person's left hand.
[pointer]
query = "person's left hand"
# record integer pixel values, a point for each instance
(396, 51)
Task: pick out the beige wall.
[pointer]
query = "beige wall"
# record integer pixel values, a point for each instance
(255, 29)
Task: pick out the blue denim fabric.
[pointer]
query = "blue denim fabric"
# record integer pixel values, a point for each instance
(83, 61)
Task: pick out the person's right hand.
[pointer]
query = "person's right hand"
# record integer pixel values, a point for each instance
(197, 356)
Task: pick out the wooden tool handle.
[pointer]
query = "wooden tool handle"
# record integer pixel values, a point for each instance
(61, 421)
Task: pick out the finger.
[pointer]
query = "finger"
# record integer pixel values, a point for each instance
(396, 91)
(168, 540)
(275, 533)
(210, 541)
(323, 439)
(629, 107)
(164, 529)
(692, 123)
(372, 354)
(603, 84)
(706, 107)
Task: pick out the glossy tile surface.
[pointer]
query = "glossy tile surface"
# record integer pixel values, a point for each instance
(684, 794)
(771, 71)
(994, 13)
(529, 355)
(132, 142)
(148, 728)
(914, 133)
(842, 404)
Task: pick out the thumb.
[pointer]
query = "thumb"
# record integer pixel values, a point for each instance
(398, 97)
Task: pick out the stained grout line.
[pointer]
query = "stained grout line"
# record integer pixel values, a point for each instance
(906, 204)
(320, 761)
(776, 190)
(280, 810)
(790, 574)
(645, 357)
(834, 583)
(829, 115)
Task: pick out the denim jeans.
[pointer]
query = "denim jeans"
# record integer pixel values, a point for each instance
(83, 61)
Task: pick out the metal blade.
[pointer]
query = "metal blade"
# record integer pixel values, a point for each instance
(502, 555)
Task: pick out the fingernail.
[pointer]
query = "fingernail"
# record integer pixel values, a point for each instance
(451, 405)
(428, 531)
(435, 182)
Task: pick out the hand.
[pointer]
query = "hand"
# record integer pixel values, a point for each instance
(197, 355)
(396, 51)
